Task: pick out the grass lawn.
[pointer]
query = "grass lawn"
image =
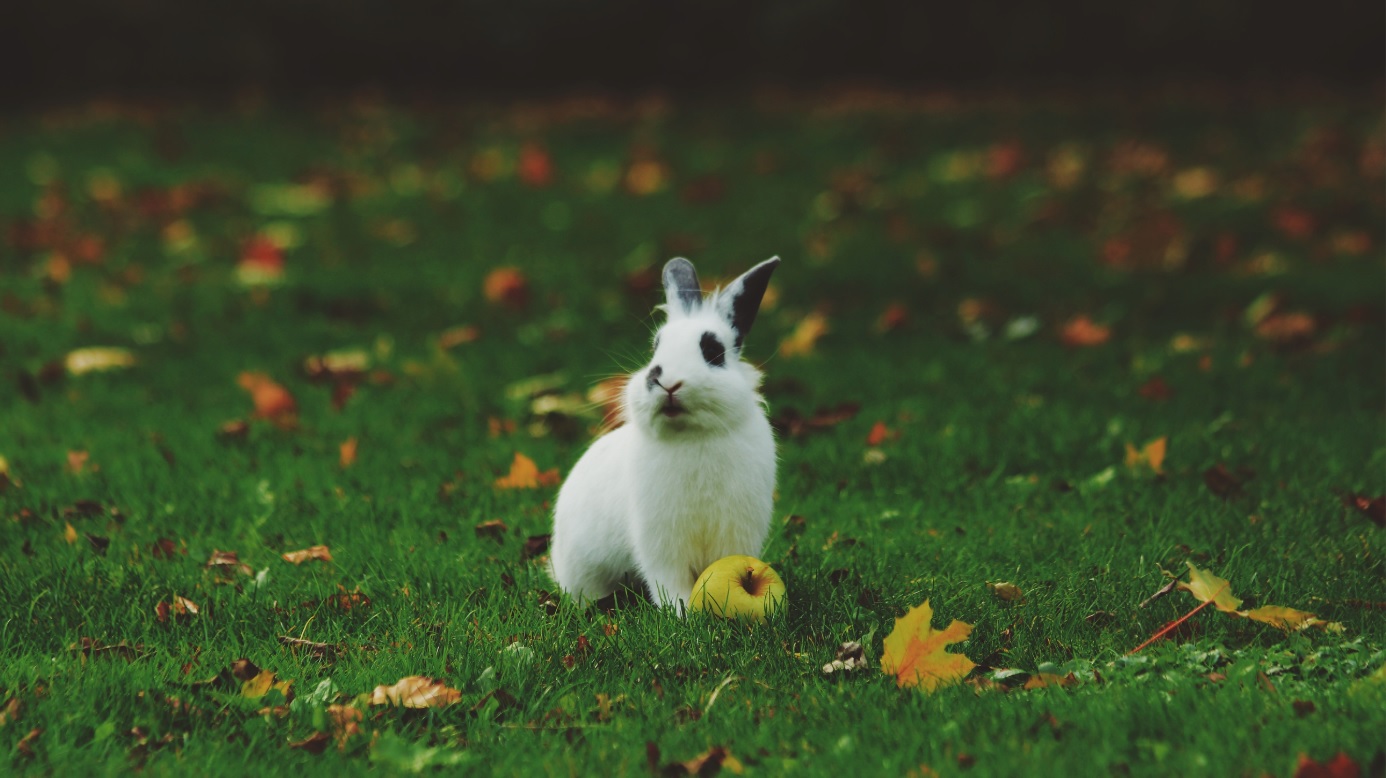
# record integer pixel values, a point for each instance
(982, 304)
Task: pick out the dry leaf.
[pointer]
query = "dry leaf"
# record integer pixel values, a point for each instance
(1083, 332)
(457, 336)
(90, 360)
(77, 461)
(312, 552)
(1041, 680)
(535, 166)
(25, 746)
(805, 336)
(508, 286)
(1151, 456)
(227, 564)
(346, 722)
(315, 743)
(493, 529)
(524, 474)
(1205, 586)
(1374, 509)
(1340, 766)
(69, 533)
(914, 651)
(261, 683)
(1006, 592)
(879, 434)
(272, 401)
(179, 607)
(346, 455)
(416, 691)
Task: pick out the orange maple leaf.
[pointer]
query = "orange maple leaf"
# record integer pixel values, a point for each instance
(1083, 332)
(524, 474)
(312, 552)
(346, 453)
(1152, 456)
(914, 651)
(272, 401)
(805, 336)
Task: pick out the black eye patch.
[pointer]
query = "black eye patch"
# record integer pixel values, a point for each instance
(714, 353)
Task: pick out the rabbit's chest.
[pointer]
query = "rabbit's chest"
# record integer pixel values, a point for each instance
(706, 497)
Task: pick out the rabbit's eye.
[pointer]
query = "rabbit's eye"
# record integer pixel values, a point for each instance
(714, 353)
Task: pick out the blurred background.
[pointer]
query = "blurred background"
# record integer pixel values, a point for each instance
(58, 49)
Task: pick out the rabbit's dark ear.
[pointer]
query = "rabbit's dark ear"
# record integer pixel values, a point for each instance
(681, 290)
(739, 301)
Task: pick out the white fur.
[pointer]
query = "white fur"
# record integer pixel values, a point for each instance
(664, 497)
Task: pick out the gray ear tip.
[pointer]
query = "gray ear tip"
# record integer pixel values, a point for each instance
(677, 262)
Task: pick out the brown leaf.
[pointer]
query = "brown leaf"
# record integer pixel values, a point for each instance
(9, 712)
(456, 336)
(507, 286)
(1340, 766)
(227, 564)
(534, 546)
(236, 429)
(89, 647)
(77, 462)
(25, 746)
(346, 722)
(1223, 482)
(325, 651)
(1156, 389)
(315, 743)
(166, 548)
(1042, 680)
(708, 763)
(272, 401)
(1006, 592)
(535, 166)
(879, 434)
(180, 608)
(416, 691)
(1286, 329)
(494, 529)
(312, 552)
(1083, 332)
(1372, 508)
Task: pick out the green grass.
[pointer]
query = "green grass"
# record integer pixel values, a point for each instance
(1008, 465)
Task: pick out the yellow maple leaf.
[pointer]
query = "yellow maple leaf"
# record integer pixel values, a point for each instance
(805, 336)
(524, 474)
(1152, 456)
(261, 684)
(914, 651)
(1205, 586)
(1290, 619)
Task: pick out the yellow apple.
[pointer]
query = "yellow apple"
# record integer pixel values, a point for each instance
(739, 587)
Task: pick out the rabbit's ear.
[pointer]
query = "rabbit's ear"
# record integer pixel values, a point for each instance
(739, 302)
(681, 291)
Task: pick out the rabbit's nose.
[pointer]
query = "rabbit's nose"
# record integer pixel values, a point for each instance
(672, 389)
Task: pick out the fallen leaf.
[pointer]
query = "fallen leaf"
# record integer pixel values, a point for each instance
(97, 358)
(9, 711)
(77, 461)
(535, 166)
(524, 474)
(416, 691)
(179, 607)
(805, 336)
(1289, 619)
(507, 286)
(312, 552)
(914, 651)
(710, 762)
(93, 649)
(315, 743)
(1083, 332)
(261, 683)
(25, 746)
(1156, 389)
(646, 177)
(493, 529)
(894, 317)
(1222, 482)
(346, 722)
(1284, 329)
(1042, 680)
(1205, 586)
(456, 336)
(272, 401)
(346, 453)
(1151, 456)
(879, 434)
(534, 546)
(1372, 508)
(227, 564)
(1006, 592)
(343, 365)
(261, 264)
(318, 650)
(69, 533)
(850, 656)
(1340, 766)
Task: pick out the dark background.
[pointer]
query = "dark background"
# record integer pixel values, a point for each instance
(65, 49)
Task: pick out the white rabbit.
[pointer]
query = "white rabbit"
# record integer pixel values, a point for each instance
(689, 477)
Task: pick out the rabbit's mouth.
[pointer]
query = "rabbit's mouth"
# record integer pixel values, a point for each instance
(672, 409)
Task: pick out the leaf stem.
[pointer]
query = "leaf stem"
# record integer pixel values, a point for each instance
(1182, 619)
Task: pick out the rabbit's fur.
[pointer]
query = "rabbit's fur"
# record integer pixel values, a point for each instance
(689, 477)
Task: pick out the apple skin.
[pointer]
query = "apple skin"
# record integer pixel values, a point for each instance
(740, 587)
